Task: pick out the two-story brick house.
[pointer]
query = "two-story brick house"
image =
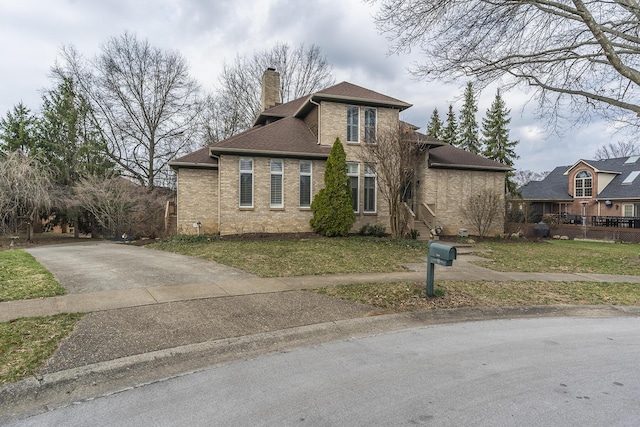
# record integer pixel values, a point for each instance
(606, 192)
(263, 180)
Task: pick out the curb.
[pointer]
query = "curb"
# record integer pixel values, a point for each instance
(47, 392)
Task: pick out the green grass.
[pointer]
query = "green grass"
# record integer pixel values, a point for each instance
(22, 277)
(299, 257)
(557, 256)
(26, 344)
(398, 297)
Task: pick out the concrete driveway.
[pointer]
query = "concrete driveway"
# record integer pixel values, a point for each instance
(101, 266)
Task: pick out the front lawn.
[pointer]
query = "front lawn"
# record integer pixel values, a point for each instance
(563, 256)
(26, 344)
(300, 257)
(22, 277)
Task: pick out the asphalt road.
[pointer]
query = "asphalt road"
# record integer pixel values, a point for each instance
(545, 371)
(101, 266)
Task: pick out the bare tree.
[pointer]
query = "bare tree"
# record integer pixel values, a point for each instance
(237, 103)
(120, 206)
(394, 156)
(523, 177)
(618, 149)
(25, 191)
(483, 209)
(142, 100)
(579, 56)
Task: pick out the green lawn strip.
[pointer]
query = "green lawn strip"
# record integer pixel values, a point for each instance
(27, 343)
(410, 296)
(558, 256)
(299, 257)
(22, 277)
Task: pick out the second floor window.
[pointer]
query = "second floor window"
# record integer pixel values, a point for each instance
(353, 124)
(370, 124)
(583, 184)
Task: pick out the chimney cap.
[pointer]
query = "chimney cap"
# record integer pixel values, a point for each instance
(271, 69)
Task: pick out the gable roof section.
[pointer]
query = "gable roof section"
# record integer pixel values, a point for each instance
(554, 187)
(600, 166)
(344, 92)
(289, 137)
(199, 159)
(449, 157)
(616, 188)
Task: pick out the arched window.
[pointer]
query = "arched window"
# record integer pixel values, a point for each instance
(584, 184)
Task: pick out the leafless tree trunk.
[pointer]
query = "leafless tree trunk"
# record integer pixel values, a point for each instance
(394, 155)
(237, 103)
(25, 191)
(579, 56)
(142, 100)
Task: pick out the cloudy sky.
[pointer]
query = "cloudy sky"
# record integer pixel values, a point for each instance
(210, 32)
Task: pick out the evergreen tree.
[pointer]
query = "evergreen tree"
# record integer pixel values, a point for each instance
(434, 128)
(332, 207)
(450, 132)
(66, 138)
(496, 138)
(17, 130)
(468, 139)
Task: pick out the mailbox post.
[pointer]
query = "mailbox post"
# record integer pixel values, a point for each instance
(440, 254)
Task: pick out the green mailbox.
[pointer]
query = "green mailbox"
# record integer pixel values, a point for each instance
(440, 254)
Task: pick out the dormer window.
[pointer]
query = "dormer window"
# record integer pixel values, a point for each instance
(583, 184)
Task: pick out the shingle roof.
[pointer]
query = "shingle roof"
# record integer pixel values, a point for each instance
(346, 90)
(198, 159)
(556, 185)
(288, 136)
(553, 187)
(449, 157)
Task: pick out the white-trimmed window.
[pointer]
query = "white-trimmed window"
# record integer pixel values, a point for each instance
(628, 210)
(353, 172)
(370, 119)
(246, 183)
(353, 124)
(583, 184)
(305, 183)
(369, 188)
(277, 171)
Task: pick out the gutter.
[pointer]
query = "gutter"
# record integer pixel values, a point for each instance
(470, 167)
(266, 153)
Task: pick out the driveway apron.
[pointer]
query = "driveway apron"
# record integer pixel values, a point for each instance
(103, 266)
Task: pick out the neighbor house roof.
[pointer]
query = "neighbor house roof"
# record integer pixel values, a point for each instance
(553, 187)
(556, 185)
(450, 157)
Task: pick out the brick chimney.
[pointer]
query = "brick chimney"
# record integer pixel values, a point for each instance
(270, 88)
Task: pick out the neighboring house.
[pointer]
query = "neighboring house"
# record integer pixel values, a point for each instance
(263, 180)
(607, 192)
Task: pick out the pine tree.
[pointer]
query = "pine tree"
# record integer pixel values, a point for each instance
(333, 207)
(17, 130)
(468, 139)
(434, 128)
(496, 138)
(450, 132)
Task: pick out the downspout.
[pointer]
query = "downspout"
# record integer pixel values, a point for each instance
(219, 195)
(319, 117)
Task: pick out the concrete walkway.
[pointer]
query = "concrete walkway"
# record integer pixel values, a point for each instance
(246, 284)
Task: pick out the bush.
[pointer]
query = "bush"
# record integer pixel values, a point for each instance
(375, 230)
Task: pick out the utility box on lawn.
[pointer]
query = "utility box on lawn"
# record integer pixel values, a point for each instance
(440, 254)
